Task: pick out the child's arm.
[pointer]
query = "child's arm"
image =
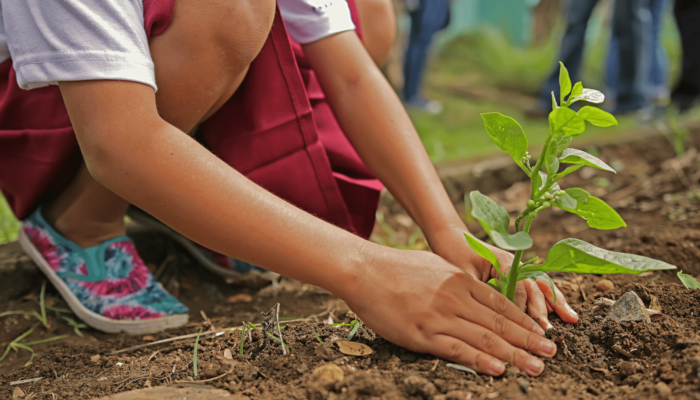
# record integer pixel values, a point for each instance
(412, 298)
(376, 123)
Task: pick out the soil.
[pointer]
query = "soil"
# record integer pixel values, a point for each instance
(657, 194)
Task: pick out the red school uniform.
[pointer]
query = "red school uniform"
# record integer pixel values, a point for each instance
(277, 129)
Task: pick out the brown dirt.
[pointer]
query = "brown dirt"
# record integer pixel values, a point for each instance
(659, 199)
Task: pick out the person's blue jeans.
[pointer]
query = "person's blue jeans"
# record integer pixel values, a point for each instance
(430, 17)
(577, 14)
(631, 28)
(657, 83)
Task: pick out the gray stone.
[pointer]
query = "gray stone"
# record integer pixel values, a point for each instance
(629, 308)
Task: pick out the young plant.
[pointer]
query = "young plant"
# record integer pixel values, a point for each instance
(16, 345)
(42, 307)
(194, 355)
(569, 255)
(688, 281)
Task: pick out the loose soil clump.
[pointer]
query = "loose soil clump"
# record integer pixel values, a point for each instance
(657, 194)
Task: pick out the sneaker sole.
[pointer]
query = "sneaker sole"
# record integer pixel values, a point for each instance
(91, 318)
(148, 222)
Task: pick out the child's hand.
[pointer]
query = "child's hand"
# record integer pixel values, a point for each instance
(536, 297)
(419, 301)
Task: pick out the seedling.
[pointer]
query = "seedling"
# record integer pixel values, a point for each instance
(356, 324)
(77, 326)
(688, 281)
(194, 354)
(317, 337)
(42, 307)
(568, 255)
(16, 345)
(243, 330)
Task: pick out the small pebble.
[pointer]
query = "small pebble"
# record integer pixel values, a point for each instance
(662, 389)
(524, 384)
(604, 285)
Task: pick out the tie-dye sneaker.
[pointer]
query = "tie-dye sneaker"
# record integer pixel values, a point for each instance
(234, 270)
(107, 286)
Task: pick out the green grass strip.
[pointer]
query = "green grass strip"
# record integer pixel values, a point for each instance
(243, 331)
(194, 356)
(317, 337)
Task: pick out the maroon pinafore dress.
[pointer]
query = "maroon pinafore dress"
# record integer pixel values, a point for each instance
(277, 129)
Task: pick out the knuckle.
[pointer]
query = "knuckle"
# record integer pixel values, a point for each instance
(530, 341)
(519, 358)
(502, 304)
(457, 349)
(489, 341)
(500, 325)
(481, 362)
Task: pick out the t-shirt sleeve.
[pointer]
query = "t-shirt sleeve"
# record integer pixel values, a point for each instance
(73, 40)
(311, 20)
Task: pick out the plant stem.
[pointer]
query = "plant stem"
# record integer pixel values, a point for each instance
(513, 273)
(520, 218)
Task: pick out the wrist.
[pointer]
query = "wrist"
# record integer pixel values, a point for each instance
(447, 226)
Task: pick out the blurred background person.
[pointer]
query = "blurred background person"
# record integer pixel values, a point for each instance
(656, 84)
(631, 31)
(687, 90)
(427, 18)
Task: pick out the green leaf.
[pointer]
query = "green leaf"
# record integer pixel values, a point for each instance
(688, 281)
(596, 212)
(589, 95)
(564, 82)
(566, 201)
(496, 284)
(535, 275)
(573, 156)
(569, 170)
(507, 134)
(565, 120)
(577, 90)
(573, 255)
(484, 252)
(495, 220)
(554, 102)
(563, 143)
(551, 161)
(597, 117)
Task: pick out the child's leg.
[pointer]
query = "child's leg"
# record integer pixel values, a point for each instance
(86, 212)
(200, 61)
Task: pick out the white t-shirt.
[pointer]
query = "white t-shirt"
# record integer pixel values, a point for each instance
(69, 40)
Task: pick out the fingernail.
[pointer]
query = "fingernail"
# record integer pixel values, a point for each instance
(571, 310)
(548, 347)
(497, 367)
(538, 329)
(549, 326)
(535, 366)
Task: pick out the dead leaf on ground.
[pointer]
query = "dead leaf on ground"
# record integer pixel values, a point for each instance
(328, 375)
(228, 355)
(95, 358)
(149, 338)
(17, 394)
(353, 348)
(240, 298)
